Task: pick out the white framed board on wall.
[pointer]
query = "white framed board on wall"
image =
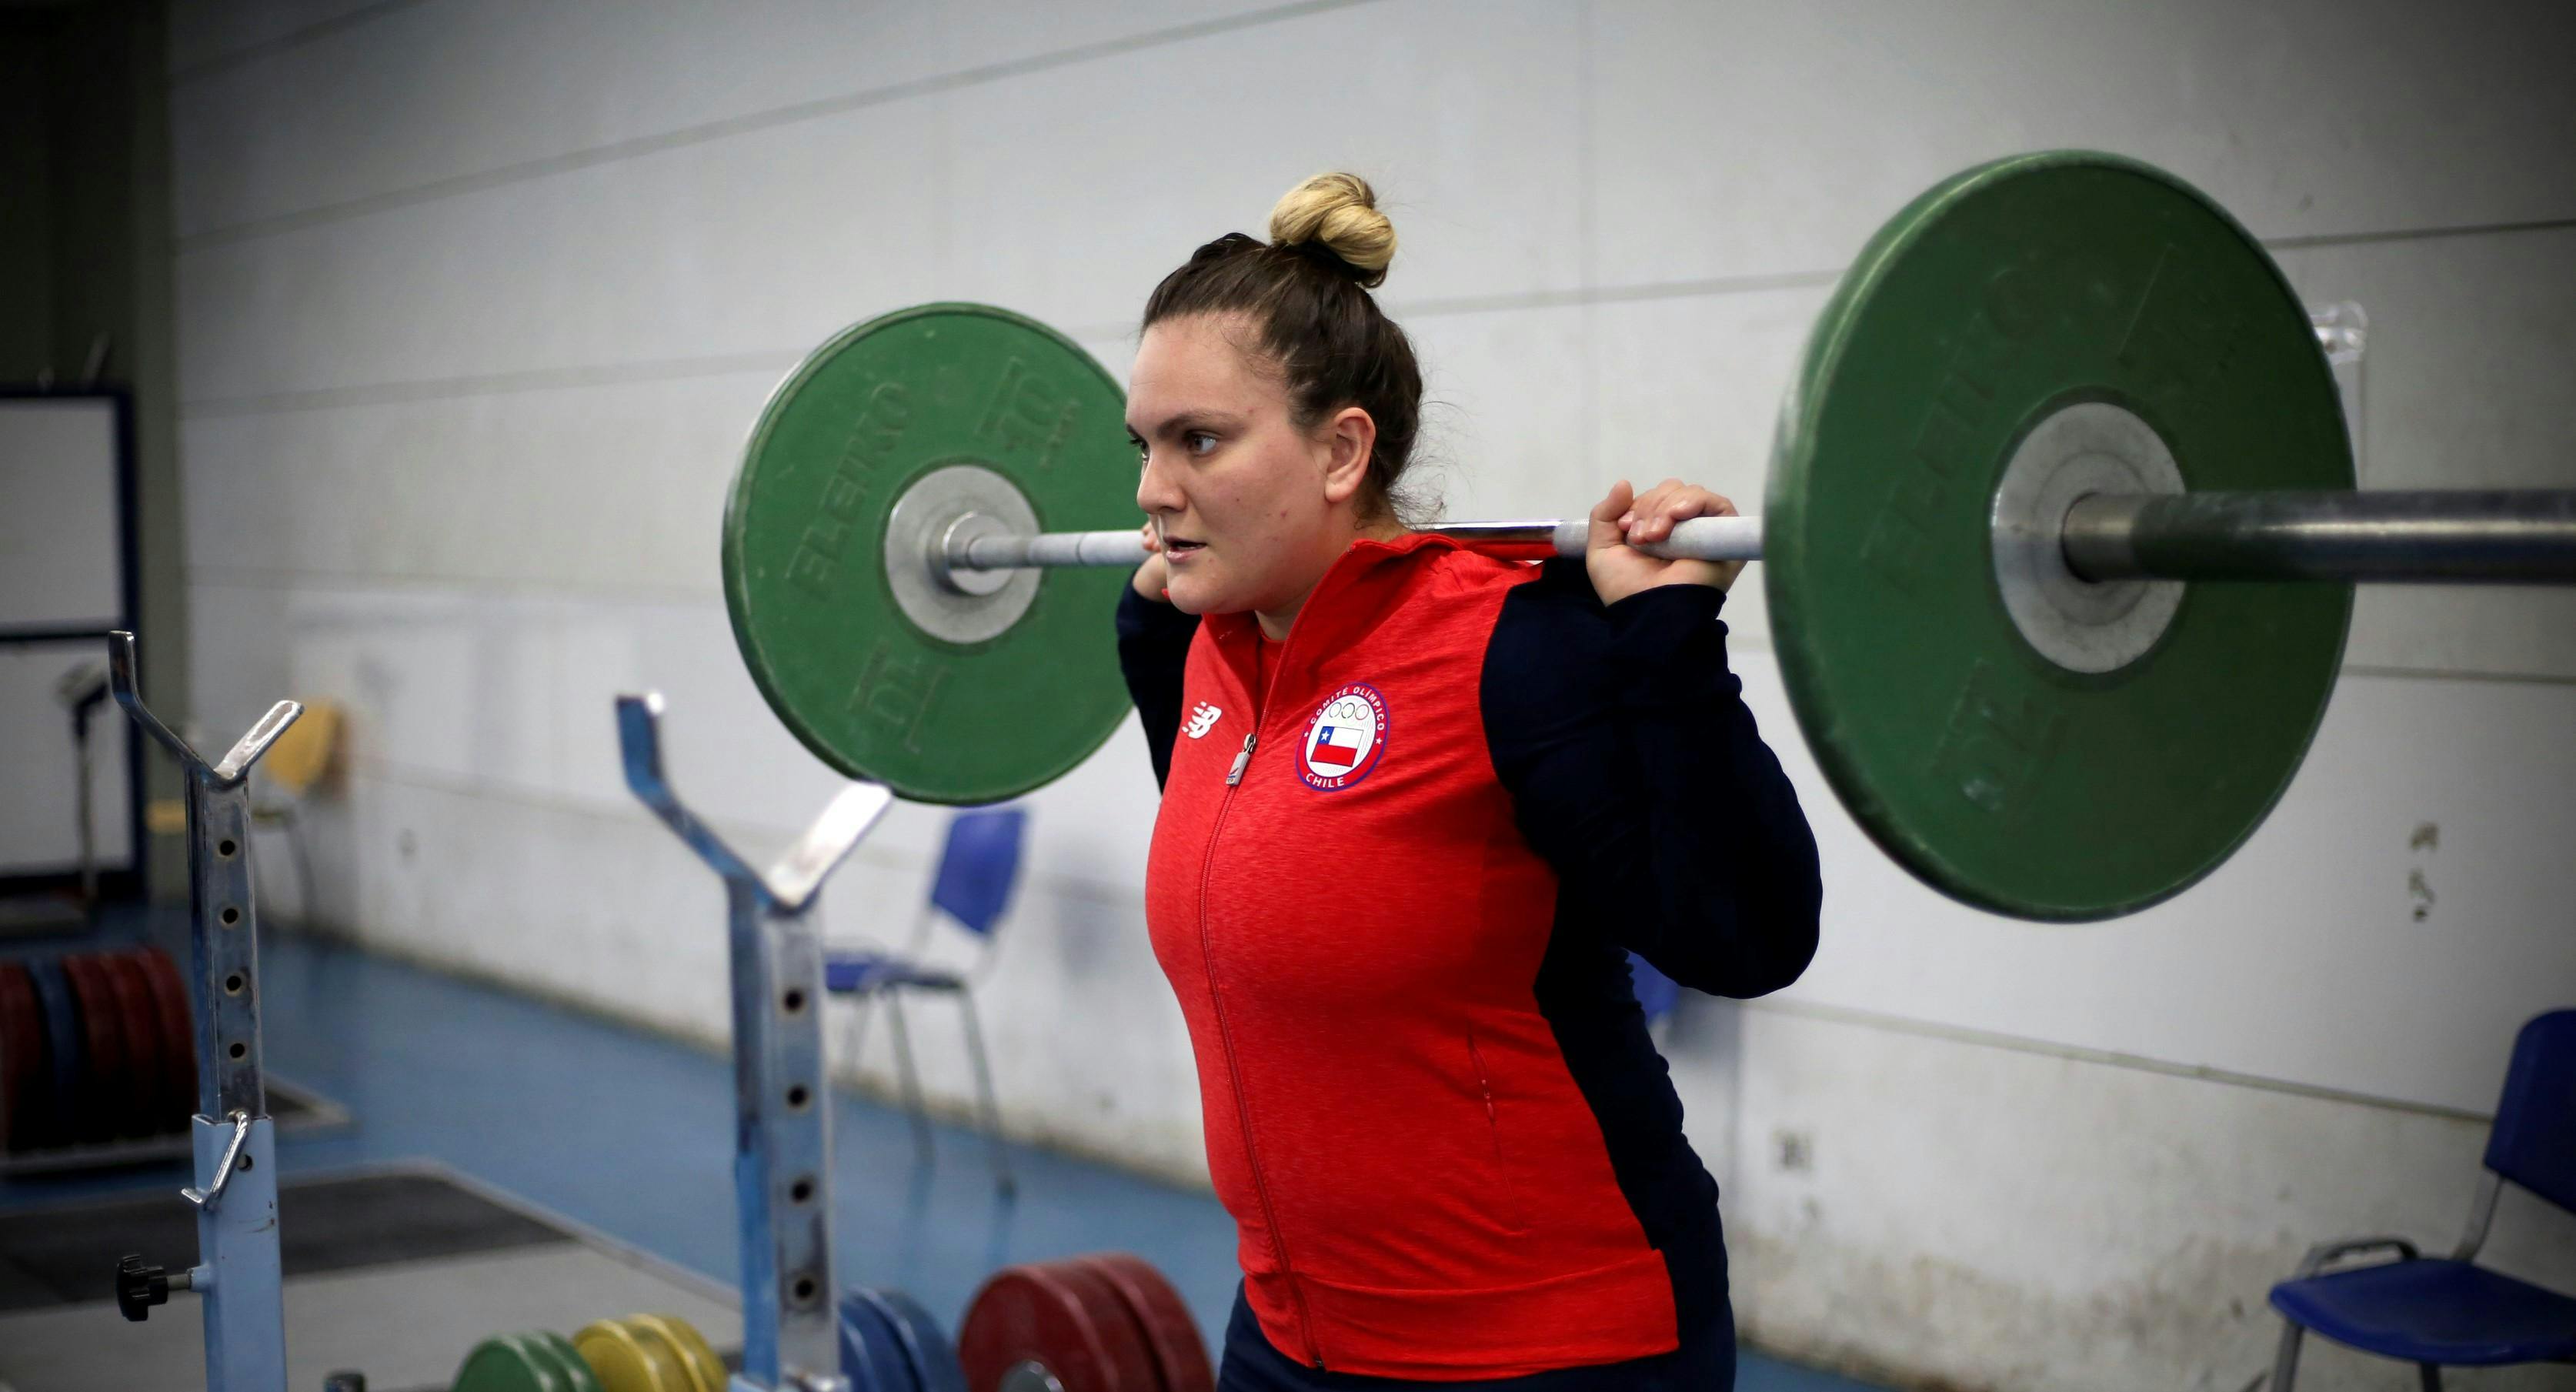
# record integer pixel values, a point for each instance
(67, 580)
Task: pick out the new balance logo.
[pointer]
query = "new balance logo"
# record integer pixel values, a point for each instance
(1203, 720)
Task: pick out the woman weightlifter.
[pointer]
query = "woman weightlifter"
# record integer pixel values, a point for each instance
(1418, 804)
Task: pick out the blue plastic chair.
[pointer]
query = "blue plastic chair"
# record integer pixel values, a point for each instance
(978, 870)
(2445, 1311)
(1657, 993)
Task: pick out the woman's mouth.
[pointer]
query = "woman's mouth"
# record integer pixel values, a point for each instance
(1179, 549)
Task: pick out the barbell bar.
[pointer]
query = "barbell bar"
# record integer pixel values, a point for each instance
(2056, 449)
(2420, 536)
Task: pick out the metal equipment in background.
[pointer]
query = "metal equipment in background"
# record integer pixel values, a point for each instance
(1103, 1322)
(782, 1124)
(238, 1276)
(82, 690)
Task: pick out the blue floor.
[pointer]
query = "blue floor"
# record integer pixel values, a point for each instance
(632, 1133)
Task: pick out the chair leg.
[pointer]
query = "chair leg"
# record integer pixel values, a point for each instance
(2432, 1375)
(305, 912)
(2285, 1364)
(984, 1094)
(861, 1006)
(911, 1080)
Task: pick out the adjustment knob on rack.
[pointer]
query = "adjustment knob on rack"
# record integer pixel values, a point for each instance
(140, 1287)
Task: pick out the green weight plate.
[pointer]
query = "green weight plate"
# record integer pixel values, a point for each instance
(1991, 302)
(511, 1363)
(866, 416)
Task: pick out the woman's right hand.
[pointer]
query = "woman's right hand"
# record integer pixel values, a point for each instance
(1156, 573)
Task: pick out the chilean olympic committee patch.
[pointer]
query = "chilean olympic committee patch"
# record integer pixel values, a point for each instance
(1344, 739)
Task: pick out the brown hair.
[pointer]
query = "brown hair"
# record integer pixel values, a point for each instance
(1307, 293)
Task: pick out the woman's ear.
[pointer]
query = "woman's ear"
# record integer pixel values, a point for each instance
(1349, 440)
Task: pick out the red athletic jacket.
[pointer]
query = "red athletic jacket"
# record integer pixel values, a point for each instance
(1392, 892)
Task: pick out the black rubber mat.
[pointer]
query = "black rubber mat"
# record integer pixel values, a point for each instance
(294, 1110)
(67, 1255)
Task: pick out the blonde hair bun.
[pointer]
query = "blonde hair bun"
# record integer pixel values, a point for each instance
(1338, 212)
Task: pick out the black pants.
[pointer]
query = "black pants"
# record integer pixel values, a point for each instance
(1705, 1362)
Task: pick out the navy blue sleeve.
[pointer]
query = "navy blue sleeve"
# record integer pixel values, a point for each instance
(1153, 648)
(1636, 771)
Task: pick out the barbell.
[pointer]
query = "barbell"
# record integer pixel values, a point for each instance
(2416, 536)
(2058, 541)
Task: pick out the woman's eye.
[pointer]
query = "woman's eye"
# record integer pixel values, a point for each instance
(1199, 442)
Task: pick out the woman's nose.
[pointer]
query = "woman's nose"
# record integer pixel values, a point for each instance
(1155, 491)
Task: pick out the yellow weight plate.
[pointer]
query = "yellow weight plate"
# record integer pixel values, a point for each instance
(567, 1360)
(696, 1354)
(625, 1364)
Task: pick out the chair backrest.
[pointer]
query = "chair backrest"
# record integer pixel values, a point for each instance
(2534, 1141)
(980, 867)
(1656, 992)
(306, 753)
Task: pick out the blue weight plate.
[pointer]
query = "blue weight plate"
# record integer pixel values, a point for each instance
(63, 1046)
(925, 1345)
(871, 1350)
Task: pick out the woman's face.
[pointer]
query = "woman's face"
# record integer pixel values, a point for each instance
(1251, 511)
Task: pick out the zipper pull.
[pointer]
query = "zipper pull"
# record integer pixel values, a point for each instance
(1235, 775)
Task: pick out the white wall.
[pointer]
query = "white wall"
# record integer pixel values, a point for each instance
(476, 300)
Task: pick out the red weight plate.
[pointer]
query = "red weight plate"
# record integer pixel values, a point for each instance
(1162, 1316)
(174, 1083)
(25, 1110)
(178, 1034)
(104, 1082)
(111, 1049)
(134, 1088)
(147, 1075)
(1129, 1353)
(1062, 1317)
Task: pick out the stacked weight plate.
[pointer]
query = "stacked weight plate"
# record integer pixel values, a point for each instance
(1107, 1322)
(26, 1081)
(1021, 419)
(639, 1353)
(95, 1048)
(533, 1362)
(891, 1344)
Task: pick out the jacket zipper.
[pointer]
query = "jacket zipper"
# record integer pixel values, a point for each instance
(1207, 958)
(1485, 1085)
(1507, 1207)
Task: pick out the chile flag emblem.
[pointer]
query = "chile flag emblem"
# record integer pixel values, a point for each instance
(1345, 738)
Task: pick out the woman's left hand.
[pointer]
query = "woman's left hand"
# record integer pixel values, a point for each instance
(1626, 520)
